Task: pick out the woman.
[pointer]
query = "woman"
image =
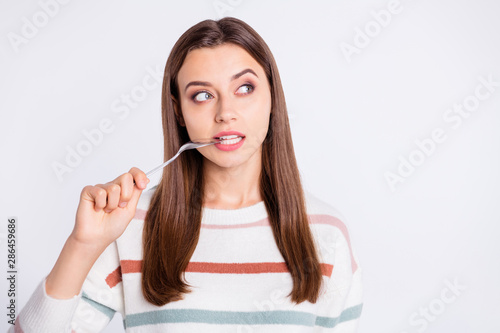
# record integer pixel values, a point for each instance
(230, 241)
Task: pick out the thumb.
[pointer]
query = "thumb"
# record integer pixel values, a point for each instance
(136, 194)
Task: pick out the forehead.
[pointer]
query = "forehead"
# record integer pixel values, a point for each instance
(220, 61)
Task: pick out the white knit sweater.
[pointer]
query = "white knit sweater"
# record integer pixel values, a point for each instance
(239, 278)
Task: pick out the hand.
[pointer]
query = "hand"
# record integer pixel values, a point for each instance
(105, 210)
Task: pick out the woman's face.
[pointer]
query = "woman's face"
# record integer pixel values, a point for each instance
(224, 89)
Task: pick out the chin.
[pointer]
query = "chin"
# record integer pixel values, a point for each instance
(226, 161)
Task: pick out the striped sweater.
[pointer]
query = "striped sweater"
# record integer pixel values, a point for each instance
(239, 281)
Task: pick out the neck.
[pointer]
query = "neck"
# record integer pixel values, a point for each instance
(233, 187)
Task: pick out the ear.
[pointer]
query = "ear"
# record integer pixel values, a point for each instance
(177, 111)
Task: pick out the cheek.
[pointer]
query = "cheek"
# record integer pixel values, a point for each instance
(194, 126)
(265, 113)
(260, 121)
(262, 128)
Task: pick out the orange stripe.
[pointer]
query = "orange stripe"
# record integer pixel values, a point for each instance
(237, 268)
(114, 277)
(131, 266)
(134, 266)
(247, 268)
(326, 269)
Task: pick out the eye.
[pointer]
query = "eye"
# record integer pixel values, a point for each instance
(245, 89)
(202, 96)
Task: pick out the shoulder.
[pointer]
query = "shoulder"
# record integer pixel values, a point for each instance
(316, 206)
(325, 216)
(329, 227)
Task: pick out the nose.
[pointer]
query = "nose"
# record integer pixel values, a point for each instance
(225, 110)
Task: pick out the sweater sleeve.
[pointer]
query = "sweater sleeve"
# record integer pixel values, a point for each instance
(344, 290)
(91, 310)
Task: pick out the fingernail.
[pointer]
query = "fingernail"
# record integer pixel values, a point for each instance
(142, 184)
(123, 204)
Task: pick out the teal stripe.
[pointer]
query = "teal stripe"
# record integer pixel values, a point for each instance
(102, 308)
(236, 317)
(346, 315)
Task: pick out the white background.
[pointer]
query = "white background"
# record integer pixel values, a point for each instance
(351, 121)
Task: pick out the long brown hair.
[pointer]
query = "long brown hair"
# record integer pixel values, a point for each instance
(173, 221)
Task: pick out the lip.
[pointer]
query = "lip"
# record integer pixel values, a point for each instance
(224, 133)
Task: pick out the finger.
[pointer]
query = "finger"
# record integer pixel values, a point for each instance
(137, 191)
(126, 182)
(140, 178)
(135, 197)
(113, 196)
(96, 195)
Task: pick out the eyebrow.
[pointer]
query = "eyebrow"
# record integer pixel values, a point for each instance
(208, 84)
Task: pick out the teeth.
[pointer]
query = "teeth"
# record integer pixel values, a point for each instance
(229, 137)
(231, 142)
